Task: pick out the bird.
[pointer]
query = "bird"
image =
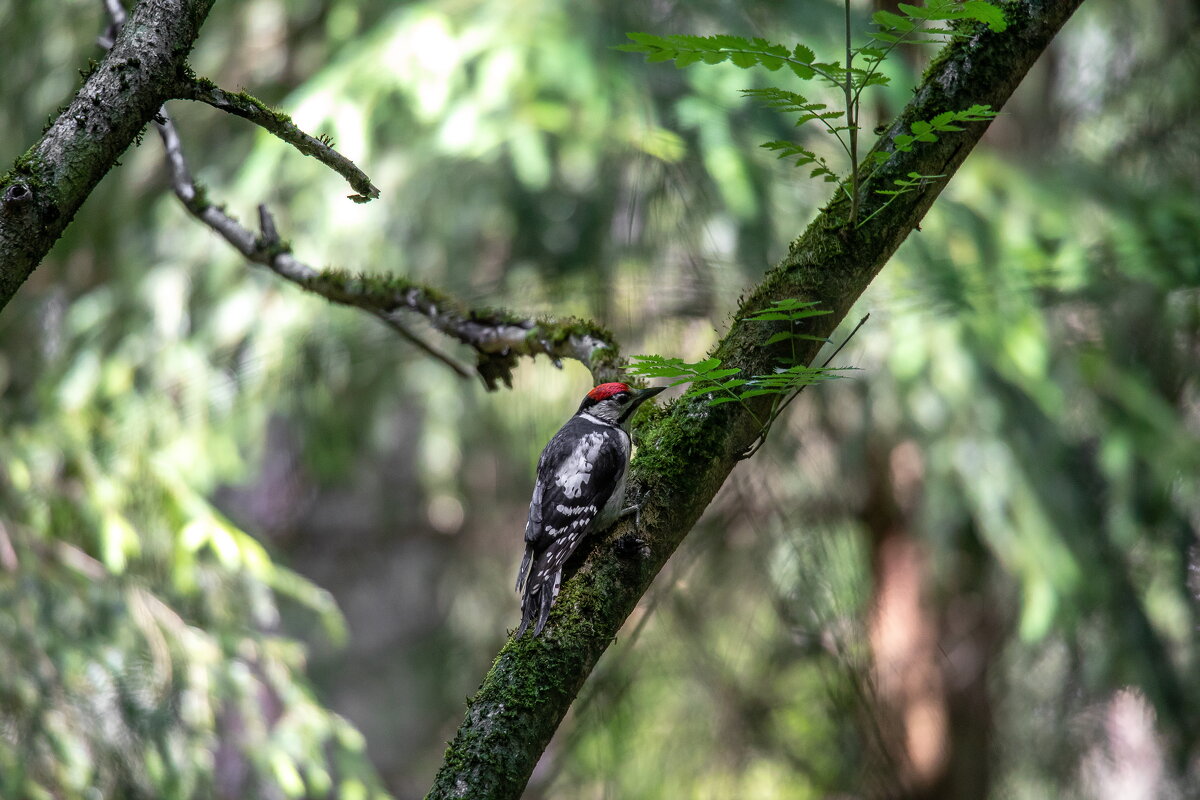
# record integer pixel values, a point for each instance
(580, 490)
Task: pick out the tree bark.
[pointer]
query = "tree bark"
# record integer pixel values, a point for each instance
(687, 451)
(46, 186)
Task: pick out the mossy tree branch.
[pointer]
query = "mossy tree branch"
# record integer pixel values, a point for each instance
(42, 192)
(279, 124)
(688, 450)
(498, 338)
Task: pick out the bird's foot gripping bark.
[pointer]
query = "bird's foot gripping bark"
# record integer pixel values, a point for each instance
(635, 510)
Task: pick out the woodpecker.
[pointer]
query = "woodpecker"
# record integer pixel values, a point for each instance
(580, 490)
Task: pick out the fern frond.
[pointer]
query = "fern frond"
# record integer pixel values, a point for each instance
(686, 50)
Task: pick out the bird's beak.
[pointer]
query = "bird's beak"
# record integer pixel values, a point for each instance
(645, 394)
(642, 396)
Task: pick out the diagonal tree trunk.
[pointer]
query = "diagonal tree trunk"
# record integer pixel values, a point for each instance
(688, 450)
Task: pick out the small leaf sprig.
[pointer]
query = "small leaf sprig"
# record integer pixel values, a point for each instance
(860, 69)
(720, 385)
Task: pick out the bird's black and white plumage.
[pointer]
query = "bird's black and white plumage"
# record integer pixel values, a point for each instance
(580, 490)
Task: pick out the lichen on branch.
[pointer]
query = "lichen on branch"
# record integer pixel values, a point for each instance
(499, 338)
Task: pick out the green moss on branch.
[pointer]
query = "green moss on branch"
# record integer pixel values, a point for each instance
(498, 337)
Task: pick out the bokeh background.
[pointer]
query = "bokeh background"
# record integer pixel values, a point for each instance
(255, 545)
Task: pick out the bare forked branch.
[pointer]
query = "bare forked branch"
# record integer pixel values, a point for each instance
(499, 338)
(266, 249)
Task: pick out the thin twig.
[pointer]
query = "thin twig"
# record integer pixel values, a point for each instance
(846, 341)
(281, 125)
(762, 438)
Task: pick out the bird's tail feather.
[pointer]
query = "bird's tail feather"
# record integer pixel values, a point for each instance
(523, 572)
(541, 585)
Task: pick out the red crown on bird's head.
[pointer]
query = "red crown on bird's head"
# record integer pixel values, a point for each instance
(607, 390)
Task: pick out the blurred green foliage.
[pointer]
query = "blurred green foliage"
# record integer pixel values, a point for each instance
(178, 427)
